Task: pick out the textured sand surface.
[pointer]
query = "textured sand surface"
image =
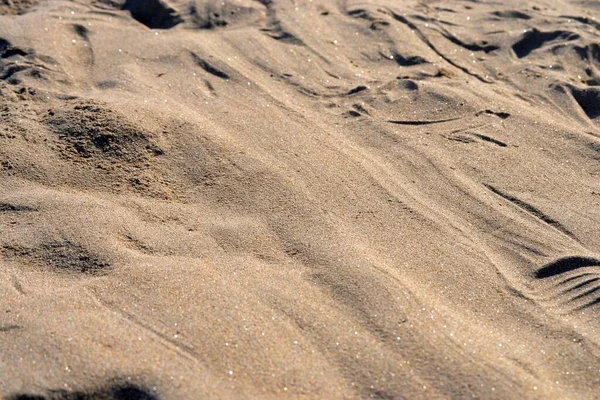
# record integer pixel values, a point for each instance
(331, 199)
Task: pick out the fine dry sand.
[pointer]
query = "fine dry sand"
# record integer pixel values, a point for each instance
(303, 199)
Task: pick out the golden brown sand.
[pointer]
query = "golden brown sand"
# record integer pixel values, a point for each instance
(303, 199)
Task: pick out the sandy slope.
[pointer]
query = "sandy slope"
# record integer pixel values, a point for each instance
(299, 199)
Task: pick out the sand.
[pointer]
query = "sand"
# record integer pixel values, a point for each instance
(303, 199)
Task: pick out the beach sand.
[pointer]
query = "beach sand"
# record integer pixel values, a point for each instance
(303, 199)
